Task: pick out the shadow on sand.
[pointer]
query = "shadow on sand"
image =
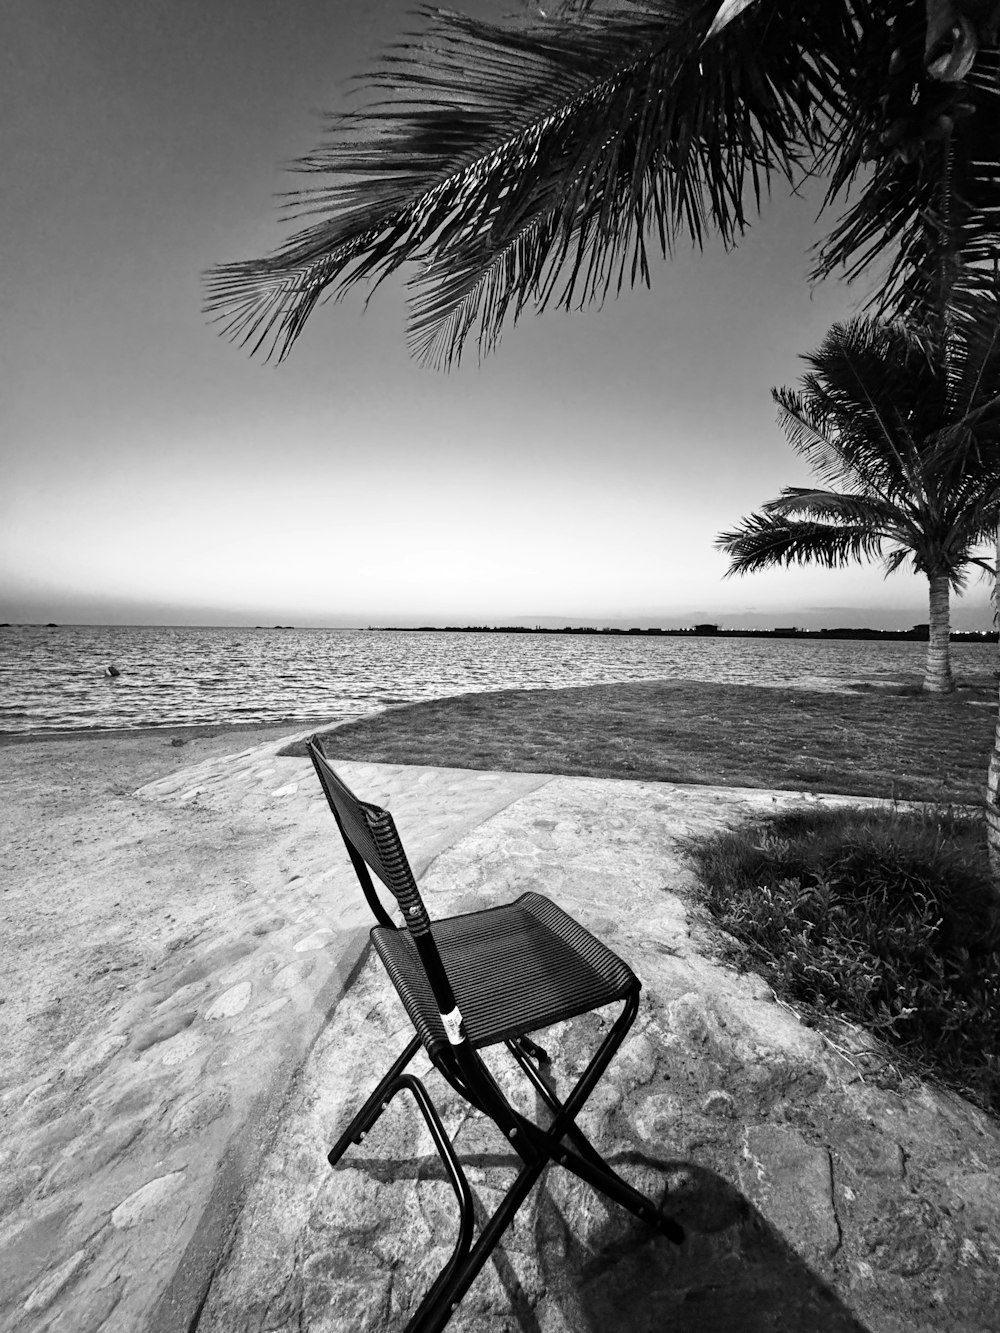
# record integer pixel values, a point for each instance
(734, 1272)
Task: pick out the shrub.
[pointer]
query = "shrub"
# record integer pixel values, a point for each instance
(887, 916)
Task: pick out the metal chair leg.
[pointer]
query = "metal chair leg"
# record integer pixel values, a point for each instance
(573, 1131)
(583, 1159)
(391, 1086)
(537, 1148)
(372, 1108)
(529, 1048)
(466, 1212)
(607, 1181)
(432, 1317)
(439, 1303)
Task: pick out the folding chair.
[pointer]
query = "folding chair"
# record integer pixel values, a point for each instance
(472, 981)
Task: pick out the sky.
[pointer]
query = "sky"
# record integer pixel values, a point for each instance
(152, 473)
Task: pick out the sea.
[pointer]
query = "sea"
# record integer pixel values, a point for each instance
(55, 678)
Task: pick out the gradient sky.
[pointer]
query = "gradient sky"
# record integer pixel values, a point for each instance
(153, 473)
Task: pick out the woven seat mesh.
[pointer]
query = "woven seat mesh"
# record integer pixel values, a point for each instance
(514, 969)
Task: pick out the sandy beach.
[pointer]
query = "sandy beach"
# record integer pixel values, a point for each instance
(96, 883)
(178, 932)
(188, 1007)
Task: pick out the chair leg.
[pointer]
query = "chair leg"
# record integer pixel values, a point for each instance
(466, 1210)
(432, 1316)
(605, 1180)
(573, 1131)
(438, 1296)
(529, 1048)
(536, 1147)
(373, 1107)
(586, 1162)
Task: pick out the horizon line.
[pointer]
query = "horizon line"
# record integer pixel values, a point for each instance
(708, 628)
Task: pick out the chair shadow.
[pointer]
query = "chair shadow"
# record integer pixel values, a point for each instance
(734, 1271)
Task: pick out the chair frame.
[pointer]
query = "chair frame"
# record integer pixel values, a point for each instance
(461, 1065)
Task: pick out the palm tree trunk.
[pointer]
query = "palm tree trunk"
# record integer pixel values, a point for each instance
(938, 679)
(993, 779)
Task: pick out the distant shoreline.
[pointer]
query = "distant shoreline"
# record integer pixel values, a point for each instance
(919, 634)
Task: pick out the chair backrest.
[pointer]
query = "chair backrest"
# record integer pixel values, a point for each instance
(369, 833)
(372, 841)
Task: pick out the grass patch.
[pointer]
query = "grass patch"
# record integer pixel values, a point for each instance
(886, 917)
(871, 743)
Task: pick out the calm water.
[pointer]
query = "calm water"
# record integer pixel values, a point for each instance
(53, 679)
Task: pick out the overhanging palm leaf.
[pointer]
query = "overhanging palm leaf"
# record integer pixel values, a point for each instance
(542, 163)
(535, 163)
(922, 144)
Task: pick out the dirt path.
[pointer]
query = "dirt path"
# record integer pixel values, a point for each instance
(95, 885)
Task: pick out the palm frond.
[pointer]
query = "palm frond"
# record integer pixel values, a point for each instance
(863, 408)
(541, 162)
(728, 11)
(985, 568)
(905, 421)
(921, 158)
(895, 559)
(812, 435)
(961, 463)
(863, 375)
(868, 510)
(763, 541)
(972, 344)
(550, 161)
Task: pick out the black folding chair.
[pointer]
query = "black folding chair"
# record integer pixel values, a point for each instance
(473, 981)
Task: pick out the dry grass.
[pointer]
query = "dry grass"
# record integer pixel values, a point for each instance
(887, 916)
(870, 742)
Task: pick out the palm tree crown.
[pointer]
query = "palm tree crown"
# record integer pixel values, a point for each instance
(902, 427)
(540, 162)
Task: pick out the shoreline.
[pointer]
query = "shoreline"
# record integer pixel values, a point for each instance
(191, 730)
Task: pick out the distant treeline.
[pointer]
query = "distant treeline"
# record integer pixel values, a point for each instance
(918, 634)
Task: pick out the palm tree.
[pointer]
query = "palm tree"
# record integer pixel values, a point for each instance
(515, 166)
(907, 435)
(521, 164)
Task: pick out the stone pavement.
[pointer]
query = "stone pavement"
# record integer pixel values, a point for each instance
(813, 1199)
(185, 1181)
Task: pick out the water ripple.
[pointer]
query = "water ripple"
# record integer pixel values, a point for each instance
(54, 678)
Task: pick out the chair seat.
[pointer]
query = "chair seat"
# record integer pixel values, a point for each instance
(514, 969)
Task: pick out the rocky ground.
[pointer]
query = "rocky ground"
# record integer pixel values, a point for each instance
(163, 1159)
(813, 1198)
